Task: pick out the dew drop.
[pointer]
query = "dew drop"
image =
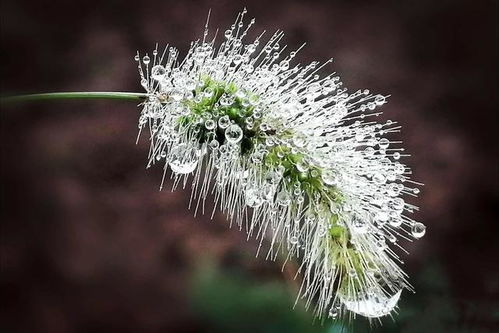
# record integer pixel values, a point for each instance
(183, 158)
(224, 122)
(372, 304)
(158, 72)
(233, 134)
(418, 230)
(253, 197)
(283, 198)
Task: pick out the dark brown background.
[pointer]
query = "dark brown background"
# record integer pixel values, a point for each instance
(89, 244)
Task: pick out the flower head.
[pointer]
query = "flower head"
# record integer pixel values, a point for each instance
(291, 156)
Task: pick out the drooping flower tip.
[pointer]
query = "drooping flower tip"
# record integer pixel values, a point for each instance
(291, 156)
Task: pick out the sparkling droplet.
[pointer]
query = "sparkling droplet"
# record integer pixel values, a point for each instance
(418, 230)
(183, 158)
(177, 94)
(372, 304)
(379, 100)
(283, 198)
(333, 314)
(253, 197)
(214, 144)
(383, 143)
(293, 240)
(224, 122)
(158, 72)
(146, 60)
(233, 134)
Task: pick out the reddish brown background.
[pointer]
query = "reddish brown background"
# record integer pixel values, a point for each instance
(89, 244)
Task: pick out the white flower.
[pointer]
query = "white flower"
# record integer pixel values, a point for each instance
(290, 156)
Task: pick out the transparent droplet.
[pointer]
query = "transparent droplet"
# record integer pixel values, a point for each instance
(233, 133)
(253, 197)
(359, 225)
(293, 240)
(214, 144)
(383, 143)
(379, 100)
(177, 94)
(418, 230)
(283, 198)
(224, 122)
(158, 72)
(146, 60)
(329, 177)
(333, 314)
(210, 124)
(378, 178)
(183, 158)
(372, 304)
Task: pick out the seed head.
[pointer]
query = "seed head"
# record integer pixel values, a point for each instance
(291, 156)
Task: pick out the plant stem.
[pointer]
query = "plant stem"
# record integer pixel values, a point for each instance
(76, 95)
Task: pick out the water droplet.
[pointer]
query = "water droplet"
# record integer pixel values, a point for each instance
(177, 94)
(233, 133)
(146, 60)
(183, 158)
(383, 143)
(333, 314)
(224, 122)
(418, 230)
(379, 100)
(378, 178)
(253, 197)
(283, 198)
(371, 304)
(293, 240)
(158, 72)
(214, 144)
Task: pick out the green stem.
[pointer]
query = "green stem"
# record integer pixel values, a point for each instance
(76, 95)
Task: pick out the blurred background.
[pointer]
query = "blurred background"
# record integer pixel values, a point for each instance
(88, 243)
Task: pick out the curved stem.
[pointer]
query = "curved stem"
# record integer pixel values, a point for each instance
(76, 95)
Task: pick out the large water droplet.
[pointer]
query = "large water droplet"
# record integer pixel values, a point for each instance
(183, 158)
(372, 304)
(233, 134)
(418, 230)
